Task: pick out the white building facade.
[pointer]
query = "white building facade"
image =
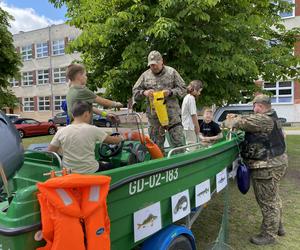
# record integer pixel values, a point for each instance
(42, 85)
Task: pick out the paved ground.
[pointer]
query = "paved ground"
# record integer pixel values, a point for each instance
(292, 132)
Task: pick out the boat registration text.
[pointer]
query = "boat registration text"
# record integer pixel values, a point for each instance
(153, 181)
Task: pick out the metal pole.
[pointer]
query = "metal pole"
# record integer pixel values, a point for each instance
(51, 70)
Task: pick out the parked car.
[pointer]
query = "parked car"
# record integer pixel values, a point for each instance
(13, 117)
(221, 113)
(101, 121)
(28, 127)
(59, 118)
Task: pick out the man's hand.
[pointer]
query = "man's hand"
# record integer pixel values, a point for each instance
(148, 93)
(167, 92)
(231, 116)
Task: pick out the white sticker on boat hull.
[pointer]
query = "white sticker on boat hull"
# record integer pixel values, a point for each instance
(180, 205)
(147, 221)
(221, 180)
(202, 193)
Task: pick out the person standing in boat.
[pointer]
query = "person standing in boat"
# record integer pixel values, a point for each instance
(210, 131)
(264, 151)
(189, 116)
(162, 78)
(78, 91)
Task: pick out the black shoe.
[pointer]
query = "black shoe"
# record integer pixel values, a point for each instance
(281, 231)
(262, 239)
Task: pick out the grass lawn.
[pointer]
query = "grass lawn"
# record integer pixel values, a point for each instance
(244, 213)
(36, 139)
(245, 216)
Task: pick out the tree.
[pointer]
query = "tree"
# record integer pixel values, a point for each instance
(9, 62)
(228, 44)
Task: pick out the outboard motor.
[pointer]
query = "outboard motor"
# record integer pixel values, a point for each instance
(11, 148)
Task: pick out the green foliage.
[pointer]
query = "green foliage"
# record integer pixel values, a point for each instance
(9, 62)
(224, 43)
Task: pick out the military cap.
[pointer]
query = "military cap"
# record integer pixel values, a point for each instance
(262, 99)
(154, 57)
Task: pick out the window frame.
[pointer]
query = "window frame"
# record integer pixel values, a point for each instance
(13, 82)
(43, 107)
(45, 80)
(56, 47)
(277, 89)
(60, 72)
(31, 108)
(30, 82)
(42, 46)
(26, 56)
(293, 11)
(60, 101)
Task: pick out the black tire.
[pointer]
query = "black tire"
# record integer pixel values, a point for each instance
(51, 131)
(107, 124)
(180, 243)
(21, 133)
(51, 121)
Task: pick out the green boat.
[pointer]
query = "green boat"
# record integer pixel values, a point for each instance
(166, 188)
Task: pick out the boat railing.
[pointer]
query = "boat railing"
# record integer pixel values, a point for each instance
(137, 121)
(52, 155)
(198, 144)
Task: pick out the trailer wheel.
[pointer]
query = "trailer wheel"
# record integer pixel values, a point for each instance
(180, 243)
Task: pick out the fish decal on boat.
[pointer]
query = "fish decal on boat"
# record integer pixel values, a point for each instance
(203, 192)
(149, 220)
(181, 204)
(221, 180)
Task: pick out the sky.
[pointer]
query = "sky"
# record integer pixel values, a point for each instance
(32, 14)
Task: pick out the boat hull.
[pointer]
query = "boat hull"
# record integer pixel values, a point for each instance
(132, 188)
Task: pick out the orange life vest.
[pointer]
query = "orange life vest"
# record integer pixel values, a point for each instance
(153, 148)
(74, 212)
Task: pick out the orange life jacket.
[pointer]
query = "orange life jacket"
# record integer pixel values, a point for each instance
(74, 212)
(153, 148)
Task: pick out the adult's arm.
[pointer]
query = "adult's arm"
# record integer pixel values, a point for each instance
(179, 89)
(138, 89)
(253, 123)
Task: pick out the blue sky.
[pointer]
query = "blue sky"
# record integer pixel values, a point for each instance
(32, 14)
(42, 7)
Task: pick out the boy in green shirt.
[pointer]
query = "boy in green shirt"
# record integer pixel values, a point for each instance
(78, 91)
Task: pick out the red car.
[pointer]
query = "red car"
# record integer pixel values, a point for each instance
(27, 127)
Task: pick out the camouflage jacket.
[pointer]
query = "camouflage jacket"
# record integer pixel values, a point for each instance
(259, 123)
(168, 79)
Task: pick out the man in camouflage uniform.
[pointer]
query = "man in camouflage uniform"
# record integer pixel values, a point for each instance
(162, 78)
(264, 152)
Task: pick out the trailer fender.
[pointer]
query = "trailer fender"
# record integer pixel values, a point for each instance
(162, 239)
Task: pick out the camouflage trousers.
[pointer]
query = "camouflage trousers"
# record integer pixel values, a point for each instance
(266, 189)
(157, 134)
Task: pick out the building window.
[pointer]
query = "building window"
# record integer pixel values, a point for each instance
(27, 79)
(28, 104)
(58, 47)
(41, 50)
(288, 14)
(282, 91)
(43, 76)
(44, 103)
(26, 52)
(58, 100)
(13, 82)
(59, 75)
